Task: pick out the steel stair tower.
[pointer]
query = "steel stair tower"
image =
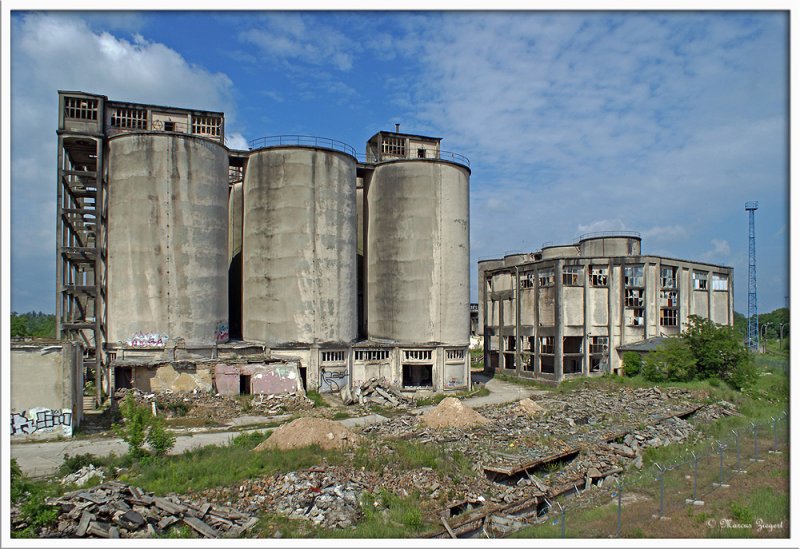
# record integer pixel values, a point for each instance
(752, 289)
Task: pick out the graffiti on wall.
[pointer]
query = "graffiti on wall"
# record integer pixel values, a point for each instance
(332, 380)
(454, 375)
(41, 420)
(147, 340)
(222, 333)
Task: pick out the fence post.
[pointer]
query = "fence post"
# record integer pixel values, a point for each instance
(755, 444)
(738, 453)
(661, 472)
(619, 508)
(721, 483)
(563, 521)
(693, 500)
(774, 437)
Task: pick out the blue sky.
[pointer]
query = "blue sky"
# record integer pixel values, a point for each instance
(659, 122)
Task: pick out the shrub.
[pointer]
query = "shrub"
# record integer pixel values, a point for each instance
(632, 363)
(718, 350)
(673, 360)
(71, 464)
(140, 426)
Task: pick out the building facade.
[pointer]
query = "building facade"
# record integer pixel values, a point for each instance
(172, 244)
(566, 310)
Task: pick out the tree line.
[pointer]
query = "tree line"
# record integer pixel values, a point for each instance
(33, 324)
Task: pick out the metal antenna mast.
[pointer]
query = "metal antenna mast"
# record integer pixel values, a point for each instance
(752, 289)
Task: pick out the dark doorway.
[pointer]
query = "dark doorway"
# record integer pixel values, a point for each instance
(303, 377)
(244, 385)
(417, 375)
(235, 297)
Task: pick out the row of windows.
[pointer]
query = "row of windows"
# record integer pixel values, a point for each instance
(634, 278)
(80, 108)
(363, 355)
(394, 146)
(574, 345)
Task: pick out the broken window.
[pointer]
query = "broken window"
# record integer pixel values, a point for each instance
(526, 280)
(599, 276)
(333, 356)
(417, 375)
(371, 354)
(207, 125)
(719, 282)
(634, 297)
(634, 316)
(546, 345)
(417, 355)
(508, 359)
(634, 276)
(598, 345)
(132, 119)
(395, 146)
(527, 363)
(169, 126)
(669, 298)
(573, 345)
(80, 108)
(572, 275)
(669, 317)
(572, 364)
(669, 277)
(547, 277)
(420, 153)
(700, 279)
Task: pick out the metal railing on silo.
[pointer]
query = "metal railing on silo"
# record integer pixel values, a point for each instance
(301, 140)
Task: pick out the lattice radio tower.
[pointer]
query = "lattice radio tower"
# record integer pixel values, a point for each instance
(752, 288)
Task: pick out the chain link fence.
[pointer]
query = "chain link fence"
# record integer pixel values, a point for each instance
(664, 490)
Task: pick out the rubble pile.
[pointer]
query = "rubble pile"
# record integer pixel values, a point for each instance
(117, 510)
(377, 391)
(83, 475)
(715, 411)
(451, 412)
(309, 431)
(527, 407)
(212, 406)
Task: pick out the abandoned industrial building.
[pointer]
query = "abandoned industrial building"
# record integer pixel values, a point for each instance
(298, 258)
(568, 310)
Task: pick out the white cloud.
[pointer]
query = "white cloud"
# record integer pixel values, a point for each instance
(51, 52)
(236, 141)
(720, 251)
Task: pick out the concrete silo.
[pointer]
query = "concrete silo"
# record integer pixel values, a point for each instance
(299, 246)
(167, 238)
(418, 252)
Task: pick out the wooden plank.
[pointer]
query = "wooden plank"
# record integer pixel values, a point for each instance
(201, 527)
(447, 527)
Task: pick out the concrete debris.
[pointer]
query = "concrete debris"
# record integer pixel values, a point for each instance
(451, 412)
(83, 475)
(210, 406)
(309, 431)
(378, 391)
(117, 510)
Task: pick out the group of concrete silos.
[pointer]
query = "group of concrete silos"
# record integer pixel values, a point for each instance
(176, 233)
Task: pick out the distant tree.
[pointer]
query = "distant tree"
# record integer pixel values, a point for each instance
(719, 352)
(19, 326)
(33, 324)
(632, 362)
(673, 360)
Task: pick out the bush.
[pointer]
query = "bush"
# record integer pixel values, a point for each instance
(632, 363)
(71, 464)
(30, 496)
(673, 360)
(140, 426)
(719, 351)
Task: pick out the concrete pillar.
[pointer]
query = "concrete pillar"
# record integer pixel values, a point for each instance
(586, 319)
(559, 315)
(517, 309)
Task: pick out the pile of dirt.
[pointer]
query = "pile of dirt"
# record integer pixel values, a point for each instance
(307, 431)
(451, 412)
(527, 407)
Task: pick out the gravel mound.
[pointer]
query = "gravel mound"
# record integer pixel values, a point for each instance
(451, 412)
(307, 431)
(528, 407)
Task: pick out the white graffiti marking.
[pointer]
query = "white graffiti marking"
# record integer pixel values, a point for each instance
(35, 420)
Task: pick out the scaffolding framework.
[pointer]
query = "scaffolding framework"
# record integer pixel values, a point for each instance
(752, 288)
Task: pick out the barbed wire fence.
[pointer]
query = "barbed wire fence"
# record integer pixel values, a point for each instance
(693, 478)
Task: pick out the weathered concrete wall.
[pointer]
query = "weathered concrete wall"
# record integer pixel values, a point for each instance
(265, 379)
(547, 306)
(299, 247)
(618, 246)
(47, 395)
(167, 377)
(167, 237)
(418, 253)
(569, 250)
(719, 307)
(572, 305)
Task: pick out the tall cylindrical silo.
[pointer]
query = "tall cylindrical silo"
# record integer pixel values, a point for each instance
(299, 246)
(167, 237)
(418, 252)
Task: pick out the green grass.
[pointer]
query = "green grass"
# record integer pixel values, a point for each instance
(317, 399)
(393, 517)
(214, 466)
(341, 415)
(30, 496)
(404, 455)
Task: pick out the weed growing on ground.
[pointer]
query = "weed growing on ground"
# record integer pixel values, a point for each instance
(317, 399)
(30, 495)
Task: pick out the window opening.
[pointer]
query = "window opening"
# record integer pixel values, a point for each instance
(669, 277)
(547, 364)
(455, 354)
(700, 280)
(207, 125)
(599, 276)
(719, 282)
(634, 276)
(133, 119)
(526, 281)
(169, 126)
(420, 153)
(417, 355)
(371, 354)
(598, 345)
(634, 297)
(669, 317)
(333, 356)
(546, 345)
(547, 277)
(244, 385)
(572, 275)
(669, 298)
(80, 108)
(417, 375)
(395, 146)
